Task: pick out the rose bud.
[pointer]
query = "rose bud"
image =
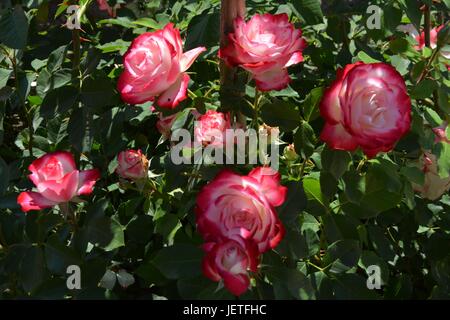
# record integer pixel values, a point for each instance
(164, 124)
(289, 153)
(441, 136)
(133, 165)
(211, 128)
(230, 260)
(434, 186)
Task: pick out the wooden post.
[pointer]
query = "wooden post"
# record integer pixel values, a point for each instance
(230, 9)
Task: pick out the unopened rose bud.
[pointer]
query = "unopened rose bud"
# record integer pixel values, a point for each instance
(441, 136)
(133, 165)
(270, 132)
(289, 153)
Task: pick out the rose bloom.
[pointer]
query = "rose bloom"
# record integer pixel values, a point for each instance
(211, 128)
(420, 38)
(155, 66)
(434, 186)
(164, 124)
(132, 165)
(367, 106)
(57, 180)
(230, 260)
(233, 205)
(104, 6)
(265, 46)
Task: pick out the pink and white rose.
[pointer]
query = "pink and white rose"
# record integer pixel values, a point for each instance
(155, 66)
(420, 38)
(367, 106)
(230, 260)
(57, 181)
(265, 46)
(104, 6)
(232, 205)
(211, 128)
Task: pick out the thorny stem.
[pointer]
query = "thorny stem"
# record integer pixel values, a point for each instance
(69, 214)
(427, 29)
(27, 112)
(229, 10)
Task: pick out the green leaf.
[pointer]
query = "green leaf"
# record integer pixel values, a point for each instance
(59, 256)
(147, 22)
(4, 174)
(292, 281)
(424, 89)
(295, 202)
(281, 114)
(2, 117)
(343, 255)
(443, 159)
(14, 28)
(347, 286)
(317, 202)
(382, 182)
(105, 232)
(335, 161)
(98, 92)
(203, 31)
(139, 229)
(117, 45)
(58, 101)
(309, 10)
(48, 81)
(310, 106)
(4, 76)
(400, 64)
(413, 174)
(381, 243)
(32, 270)
(56, 58)
(412, 10)
(80, 130)
(305, 140)
(399, 45)
(364, 57)
(179, 261)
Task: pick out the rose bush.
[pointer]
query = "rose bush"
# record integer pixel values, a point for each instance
(355, 173)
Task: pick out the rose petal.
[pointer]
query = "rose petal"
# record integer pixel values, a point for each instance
(86, 181)
(175, 93)
(188, 58)
(33, 201)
